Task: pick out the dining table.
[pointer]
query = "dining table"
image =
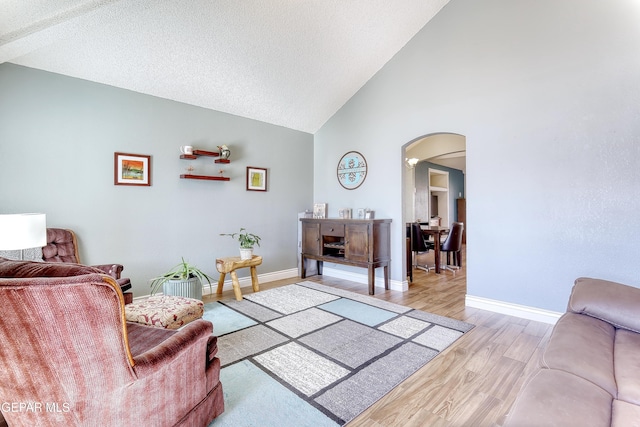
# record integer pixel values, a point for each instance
(436, 232)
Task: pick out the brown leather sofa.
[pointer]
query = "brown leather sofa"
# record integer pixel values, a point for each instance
(69, 358)
(590, 370)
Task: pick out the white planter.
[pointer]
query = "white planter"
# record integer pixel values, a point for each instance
(191, 288)
(246, 253)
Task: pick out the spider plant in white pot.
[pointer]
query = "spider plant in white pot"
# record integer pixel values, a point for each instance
(247, 240)
(182, 280)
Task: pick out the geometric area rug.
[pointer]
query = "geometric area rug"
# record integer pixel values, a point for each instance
(312, 355)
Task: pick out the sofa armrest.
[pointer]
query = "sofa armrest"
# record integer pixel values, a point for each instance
(185, 340)
(612, 302)
(112, 270)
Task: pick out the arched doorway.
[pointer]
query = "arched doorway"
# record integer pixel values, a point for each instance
(434, 180)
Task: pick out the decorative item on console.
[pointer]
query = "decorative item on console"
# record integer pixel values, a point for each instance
(365, 213)
(344, 213)
(320, 210)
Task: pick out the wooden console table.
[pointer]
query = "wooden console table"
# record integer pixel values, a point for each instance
(357, 242)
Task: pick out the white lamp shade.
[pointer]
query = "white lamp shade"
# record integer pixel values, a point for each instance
(23, 231)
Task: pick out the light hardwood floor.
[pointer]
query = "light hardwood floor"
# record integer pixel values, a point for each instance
(473, 382)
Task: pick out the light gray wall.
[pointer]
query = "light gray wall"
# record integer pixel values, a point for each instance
(58, 136)
(546, 93)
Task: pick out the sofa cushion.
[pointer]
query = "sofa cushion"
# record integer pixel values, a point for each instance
(558, 398)
(627, 366)
(583, 346)
(612, 302)
(625, 414)
(25, 269)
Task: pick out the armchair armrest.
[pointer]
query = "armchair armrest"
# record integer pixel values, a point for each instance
(182, 341)
(612, 302)
(112, 270)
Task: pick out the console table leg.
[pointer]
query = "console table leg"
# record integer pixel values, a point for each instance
(372, 280)
(386, 277)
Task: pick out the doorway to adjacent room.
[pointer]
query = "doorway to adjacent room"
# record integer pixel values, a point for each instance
(434, 193)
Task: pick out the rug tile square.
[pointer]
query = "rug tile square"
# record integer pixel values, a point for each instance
(253, 310)
(404, 326)
(303, 369)
(438, 337)
(271, 403)
(224, 319)
(303, 322)
(290, 299)
(385, 305)
(350, 343)
(348, 398)
(241, 344)
(360, 312)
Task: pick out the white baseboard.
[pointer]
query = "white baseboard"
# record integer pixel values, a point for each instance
(246, 281)
(394, 285)
(522, 311)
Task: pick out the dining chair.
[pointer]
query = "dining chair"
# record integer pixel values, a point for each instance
(453, 246)
(419, 245)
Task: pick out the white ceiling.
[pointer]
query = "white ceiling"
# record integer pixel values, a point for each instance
(287, 62)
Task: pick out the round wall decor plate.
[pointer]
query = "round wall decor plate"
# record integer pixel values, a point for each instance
(352, 170)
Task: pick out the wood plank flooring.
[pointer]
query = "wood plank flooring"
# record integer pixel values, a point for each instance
(473, 382)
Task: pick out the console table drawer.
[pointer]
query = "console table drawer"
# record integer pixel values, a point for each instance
(336, 230)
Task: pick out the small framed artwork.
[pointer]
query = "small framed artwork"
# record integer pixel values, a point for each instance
(320, 210)
(256, 179)
(344, 213)
(361, 213)
(131, 169)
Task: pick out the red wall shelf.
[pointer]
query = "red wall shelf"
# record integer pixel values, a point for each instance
(198, 153)
(205, 177)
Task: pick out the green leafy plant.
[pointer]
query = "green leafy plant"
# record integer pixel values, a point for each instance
(246, 239)
(182, 271)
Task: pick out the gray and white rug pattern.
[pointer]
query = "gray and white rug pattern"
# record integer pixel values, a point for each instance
(337, 350)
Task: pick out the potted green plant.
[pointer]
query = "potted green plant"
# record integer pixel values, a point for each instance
(247, 240)
(182, 280)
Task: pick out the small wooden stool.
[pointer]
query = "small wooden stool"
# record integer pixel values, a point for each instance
(230, 265)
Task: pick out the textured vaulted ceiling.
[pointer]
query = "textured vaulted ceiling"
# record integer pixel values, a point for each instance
(287, 62)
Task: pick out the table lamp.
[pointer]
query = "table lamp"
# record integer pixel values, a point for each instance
(23, 231)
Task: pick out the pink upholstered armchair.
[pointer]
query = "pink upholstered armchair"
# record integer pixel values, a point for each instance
(62, 246)
(68, 357)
